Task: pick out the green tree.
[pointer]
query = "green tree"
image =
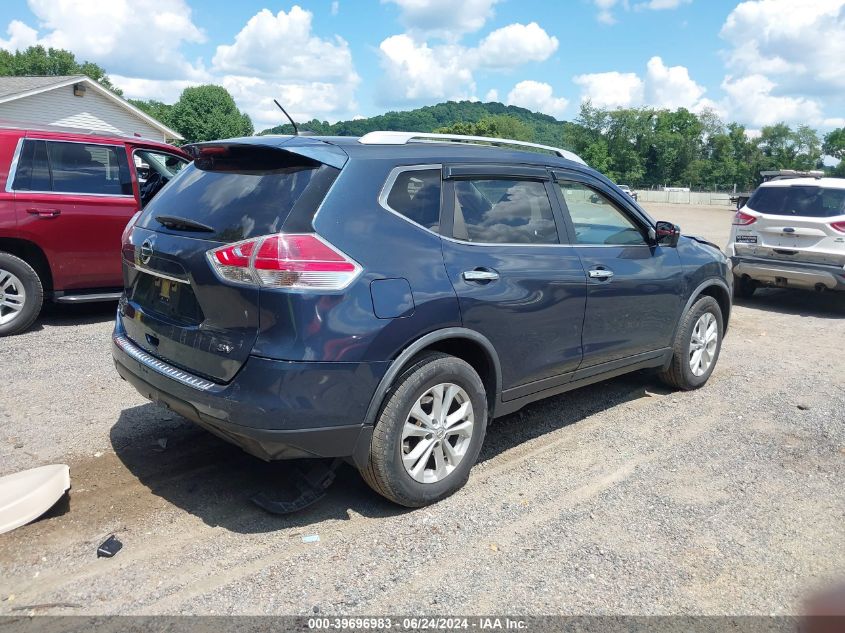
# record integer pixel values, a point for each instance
(36, 60)
(834, 145)
(205, 113)
(497, 126)
(156, 109)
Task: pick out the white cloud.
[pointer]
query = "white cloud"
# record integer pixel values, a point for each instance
(671, 88)
(514, 45)
(335, 8)
(660, 5)
(445, 19)
(127, 37)
(415, 70)
(750, 100)
(611, 89)
(492, 95)
(538, 97)
(278, 56)
(788, 56)
(606, 8)
(282, 46)
(20, 36)
(662, 86)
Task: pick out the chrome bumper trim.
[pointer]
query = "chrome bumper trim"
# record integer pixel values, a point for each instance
(189, 380)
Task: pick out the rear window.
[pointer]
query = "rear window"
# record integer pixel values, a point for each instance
(243, 192)
(799, 200)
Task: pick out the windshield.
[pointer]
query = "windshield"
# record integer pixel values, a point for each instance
(799, 200)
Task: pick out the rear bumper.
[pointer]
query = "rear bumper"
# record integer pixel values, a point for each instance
(272, 409)
(788, 274)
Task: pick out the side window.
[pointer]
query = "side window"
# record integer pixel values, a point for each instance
(416, 195)
(33, 172)
(84, 168)
(597, 220)
(501, 211)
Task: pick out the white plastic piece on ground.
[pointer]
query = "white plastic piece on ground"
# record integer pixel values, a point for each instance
(26, 495)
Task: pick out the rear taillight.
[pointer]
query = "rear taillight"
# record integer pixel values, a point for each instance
(743, 219)
(838, 226)
(300, 261)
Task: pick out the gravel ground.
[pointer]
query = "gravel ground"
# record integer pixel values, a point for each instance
(622, 497)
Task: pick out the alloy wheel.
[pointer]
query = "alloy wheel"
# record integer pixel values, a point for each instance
(437, 433)
(703, 343)
(12, 297)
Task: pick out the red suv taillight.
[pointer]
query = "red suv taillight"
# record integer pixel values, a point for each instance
(298, 261)
(743, 219)
(838, 226)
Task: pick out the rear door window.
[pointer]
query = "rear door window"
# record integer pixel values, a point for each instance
(799, 200)
(503, 211)
(89, 169)
(242, 192)
(415, 194)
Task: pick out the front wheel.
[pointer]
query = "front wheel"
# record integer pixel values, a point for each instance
(698, 342)
(429, 432)
(21, 295)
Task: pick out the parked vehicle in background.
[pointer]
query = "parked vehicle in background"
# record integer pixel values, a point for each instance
(790, 234)
(379, 299)
(629, 191)
(741, 199)
(65, 200)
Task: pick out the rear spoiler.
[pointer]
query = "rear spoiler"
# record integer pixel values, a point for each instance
(307, 147)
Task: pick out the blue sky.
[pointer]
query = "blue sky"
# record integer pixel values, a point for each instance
(756, 62)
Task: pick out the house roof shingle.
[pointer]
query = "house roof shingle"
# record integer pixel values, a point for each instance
(15, 85)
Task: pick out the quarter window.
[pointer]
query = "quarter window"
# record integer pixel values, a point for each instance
(503, 211)
(87, 168)
(597, 220)
(416, 195)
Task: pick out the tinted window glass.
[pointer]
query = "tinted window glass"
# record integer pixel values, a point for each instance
(814, 202)
(416, 195)
(244, 193)
(84, 168)
(596, 219)
(33, 173)
(503, 211)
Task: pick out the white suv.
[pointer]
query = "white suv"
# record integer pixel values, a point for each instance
(791, 233)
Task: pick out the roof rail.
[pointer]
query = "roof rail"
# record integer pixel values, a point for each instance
(403, 138)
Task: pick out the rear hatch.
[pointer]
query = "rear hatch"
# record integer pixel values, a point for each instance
(175, 307)
(802, 223)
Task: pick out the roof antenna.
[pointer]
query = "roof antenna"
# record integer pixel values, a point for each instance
(295, 129)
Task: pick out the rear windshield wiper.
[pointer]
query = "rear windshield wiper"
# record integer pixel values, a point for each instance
(183, 224)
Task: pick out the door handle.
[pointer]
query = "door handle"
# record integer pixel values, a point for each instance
(45, 213)
(600, 273)
(480, 275)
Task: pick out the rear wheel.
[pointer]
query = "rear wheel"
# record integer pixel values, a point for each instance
(21, 295)
(697, 346)
(744, 287)
(429, 433)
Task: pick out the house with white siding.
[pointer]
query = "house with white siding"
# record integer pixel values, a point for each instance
(76, 101)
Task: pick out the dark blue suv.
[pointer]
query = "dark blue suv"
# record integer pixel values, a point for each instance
(380, 299)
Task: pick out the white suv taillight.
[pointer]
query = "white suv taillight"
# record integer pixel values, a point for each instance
(303, 261)
(744, 219)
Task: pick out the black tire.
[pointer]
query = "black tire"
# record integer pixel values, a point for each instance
(34, 291)
(680, 375)
(744, 287)
(385, 472)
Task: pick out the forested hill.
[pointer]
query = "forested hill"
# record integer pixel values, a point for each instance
(544, 129)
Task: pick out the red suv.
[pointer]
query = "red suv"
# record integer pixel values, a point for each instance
(65, 199)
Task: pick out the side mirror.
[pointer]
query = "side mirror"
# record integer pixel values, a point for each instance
(666, 233)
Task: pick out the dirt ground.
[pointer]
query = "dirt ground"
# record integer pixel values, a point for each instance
(622, 497)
